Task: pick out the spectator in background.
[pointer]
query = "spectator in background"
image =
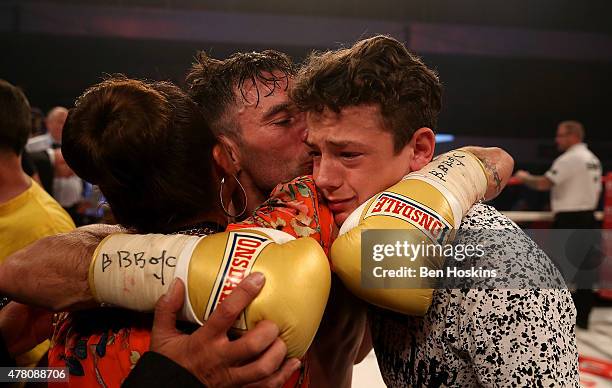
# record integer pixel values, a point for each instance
(55, 123)
(27, 212)
(29, 167)
(28, 163)
(37, 149)
(38, 119)
(574, 181)
(41, 164)
(67, 186)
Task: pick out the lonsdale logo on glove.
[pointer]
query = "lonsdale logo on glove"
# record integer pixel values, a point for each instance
(241, 252)
(211, 268)
(420, 216)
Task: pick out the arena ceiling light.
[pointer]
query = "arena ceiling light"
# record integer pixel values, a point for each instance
(444, 137)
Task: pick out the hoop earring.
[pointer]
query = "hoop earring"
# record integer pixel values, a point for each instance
(221, 198)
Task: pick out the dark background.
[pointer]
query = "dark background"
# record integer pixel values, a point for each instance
(510, 93)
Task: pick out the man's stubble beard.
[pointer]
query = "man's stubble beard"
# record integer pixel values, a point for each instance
(266, 174)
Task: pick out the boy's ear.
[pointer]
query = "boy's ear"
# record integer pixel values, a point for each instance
(423, 144)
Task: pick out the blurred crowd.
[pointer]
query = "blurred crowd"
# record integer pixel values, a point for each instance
(42, 160)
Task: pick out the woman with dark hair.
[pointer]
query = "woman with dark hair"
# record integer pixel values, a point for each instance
(148, 147)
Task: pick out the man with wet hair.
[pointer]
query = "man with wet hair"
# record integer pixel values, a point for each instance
(245, 98)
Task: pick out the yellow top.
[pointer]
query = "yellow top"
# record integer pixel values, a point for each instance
(28, 217)
(24, 219)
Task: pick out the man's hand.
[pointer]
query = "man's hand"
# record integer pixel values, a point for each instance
(535, 182)
(53, 272)
(522, 175)
(498, 167)
(255, 359)
(23, 327)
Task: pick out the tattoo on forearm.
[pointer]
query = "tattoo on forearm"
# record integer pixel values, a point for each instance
(493, 172)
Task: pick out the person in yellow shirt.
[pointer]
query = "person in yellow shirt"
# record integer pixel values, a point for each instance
(27, 212)
(31, 215)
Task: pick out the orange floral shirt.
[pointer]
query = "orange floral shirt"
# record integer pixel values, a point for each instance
(100, 347)
(296, 208)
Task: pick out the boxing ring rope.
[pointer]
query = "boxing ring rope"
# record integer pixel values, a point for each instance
(539, 216)
(544, 216)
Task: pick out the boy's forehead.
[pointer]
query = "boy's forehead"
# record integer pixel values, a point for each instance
(368, 114)
(353, 124)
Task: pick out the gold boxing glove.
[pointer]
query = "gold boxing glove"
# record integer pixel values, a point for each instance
(133, 271)
(431, 202)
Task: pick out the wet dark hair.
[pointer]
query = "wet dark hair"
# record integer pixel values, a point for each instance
(15, 121)
(213, 83)
(379, 70)
(148, 147)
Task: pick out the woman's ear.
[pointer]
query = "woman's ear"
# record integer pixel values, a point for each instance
(226, 156)
(423, 144)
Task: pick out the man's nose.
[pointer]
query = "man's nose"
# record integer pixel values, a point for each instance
(327, 175)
